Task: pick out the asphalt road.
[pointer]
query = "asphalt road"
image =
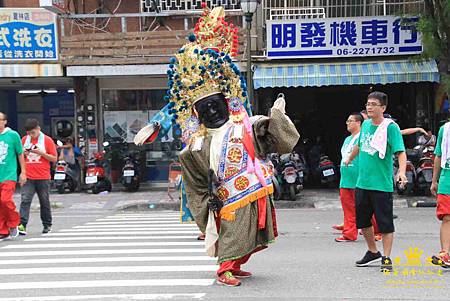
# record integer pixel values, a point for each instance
(98, 253)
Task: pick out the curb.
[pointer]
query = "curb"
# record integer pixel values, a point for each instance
(175, 206)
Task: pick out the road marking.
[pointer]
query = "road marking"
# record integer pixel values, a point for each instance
(131, 226)
(110, 269)
(112, 238)
(139, 219)
(99, 252)
(105, 244)
(111, 297)
(105, 259)
(145, 215)
(105, 283)
(140, 229)
(131, 222)
(120, 233)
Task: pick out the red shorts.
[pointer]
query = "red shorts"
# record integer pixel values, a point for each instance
(443, 206)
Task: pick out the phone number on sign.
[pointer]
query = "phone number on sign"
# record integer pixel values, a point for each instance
(368, 50)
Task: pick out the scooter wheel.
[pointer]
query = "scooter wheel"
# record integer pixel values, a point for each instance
(60, 189)
(292, 193)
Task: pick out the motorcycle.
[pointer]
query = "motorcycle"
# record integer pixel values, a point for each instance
(425, 164)
(410, 175)
(327, 171)
(96, 178)
(130, 172)
(292, 176)
(276, 176)
(65, 176)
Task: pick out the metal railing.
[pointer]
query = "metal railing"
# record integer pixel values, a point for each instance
(180, 5)
(343, 8)
(296, 13)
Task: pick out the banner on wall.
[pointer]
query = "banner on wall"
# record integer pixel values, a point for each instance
(28, 34)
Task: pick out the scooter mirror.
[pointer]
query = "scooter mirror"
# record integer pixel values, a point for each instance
(59, 143)
(106, 143)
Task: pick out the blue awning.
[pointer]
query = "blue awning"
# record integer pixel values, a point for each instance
(354, 73)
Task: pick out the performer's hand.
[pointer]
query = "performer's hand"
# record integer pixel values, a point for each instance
(215, 204)
(402, 179)
(280, 103)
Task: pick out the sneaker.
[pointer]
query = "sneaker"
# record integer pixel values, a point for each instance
(342, 239)
(378, 237)
(386, 265)
(22, 230)
(47, 229)
(228, 279)
(241, 274)
(13, 232)
(442, 259)
(338, 227)
(368, 259)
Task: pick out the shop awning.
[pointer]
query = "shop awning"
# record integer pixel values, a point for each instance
(354, 73)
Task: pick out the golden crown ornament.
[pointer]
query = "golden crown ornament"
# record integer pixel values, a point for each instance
(203, 67)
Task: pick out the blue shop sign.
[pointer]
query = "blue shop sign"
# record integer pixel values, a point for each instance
(28, 34)
(343, 37)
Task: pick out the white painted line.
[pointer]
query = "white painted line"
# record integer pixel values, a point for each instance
(100, 252)
(111, 297)
(110, 269)
(131, 226)
(106, 259)
(104, 283)
(139, 219)
(177, 214)
(140, 229)
(86, 216)
(121, 233)
(112, 238)
(105, 244)
(132, 222)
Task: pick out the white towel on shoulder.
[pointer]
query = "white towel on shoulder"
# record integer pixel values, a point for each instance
(445, 145)
(379, 140)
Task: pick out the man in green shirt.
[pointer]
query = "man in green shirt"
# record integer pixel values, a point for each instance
(349, 176)
(440, 186)
(379, 140)
(10, 152)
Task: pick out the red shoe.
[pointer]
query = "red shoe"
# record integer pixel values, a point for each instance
(241, 274)
(442, 259)
(228, 279)
(378, 237)
(201, 237)
(343, 239)
(338, 227)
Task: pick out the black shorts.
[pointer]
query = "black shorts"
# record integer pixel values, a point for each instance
(380, 203)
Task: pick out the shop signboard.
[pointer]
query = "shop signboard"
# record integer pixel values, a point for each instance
(56, 6)
(343, 37)
(28, 34)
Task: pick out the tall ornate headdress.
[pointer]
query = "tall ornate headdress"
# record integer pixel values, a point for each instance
(204, 67)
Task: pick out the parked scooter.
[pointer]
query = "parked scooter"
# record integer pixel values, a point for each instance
(65, 175)
(276, 176)
(425, 164)
(130, 172)
(292, 177)
(96, 177)
(327, 171)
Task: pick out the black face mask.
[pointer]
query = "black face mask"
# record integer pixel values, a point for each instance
(212, 111)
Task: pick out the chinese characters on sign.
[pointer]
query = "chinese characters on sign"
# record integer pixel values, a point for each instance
(28, 34)
(339, 37)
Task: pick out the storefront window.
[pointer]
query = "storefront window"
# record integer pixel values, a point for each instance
(125, 112)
